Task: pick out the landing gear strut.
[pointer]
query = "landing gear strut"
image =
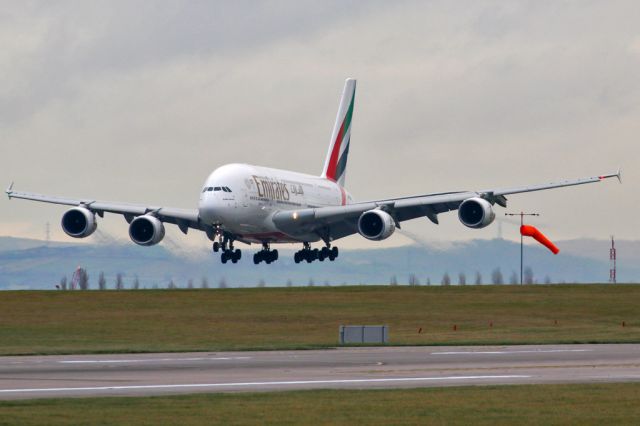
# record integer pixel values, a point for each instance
(266, 254)
(228, 252)
(309, 254)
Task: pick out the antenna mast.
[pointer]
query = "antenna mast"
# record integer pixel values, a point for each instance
(612, 262)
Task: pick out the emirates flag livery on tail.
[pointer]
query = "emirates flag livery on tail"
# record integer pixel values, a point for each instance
(243, 203)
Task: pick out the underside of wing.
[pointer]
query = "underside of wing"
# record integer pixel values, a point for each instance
(332, 223)
(85, 209)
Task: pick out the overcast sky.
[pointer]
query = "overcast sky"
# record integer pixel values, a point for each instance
(139, 101)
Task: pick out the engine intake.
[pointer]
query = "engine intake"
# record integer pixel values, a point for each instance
(376, 225)
(146, 230)
(476, 213)
(79, 222)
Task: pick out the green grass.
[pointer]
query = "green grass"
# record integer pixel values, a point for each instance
(47, 322)
(477, 405)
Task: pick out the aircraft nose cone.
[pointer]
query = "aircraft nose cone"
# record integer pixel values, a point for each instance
(210, 211)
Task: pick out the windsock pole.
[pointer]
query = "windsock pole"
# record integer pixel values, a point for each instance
(522, 215)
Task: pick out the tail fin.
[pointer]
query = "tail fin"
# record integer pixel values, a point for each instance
(335, 166)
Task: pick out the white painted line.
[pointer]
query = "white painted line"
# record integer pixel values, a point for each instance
(281, 383)
(143, 360)
(542, 351)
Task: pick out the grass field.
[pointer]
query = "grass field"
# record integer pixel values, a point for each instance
(477, 405)
(47, 322)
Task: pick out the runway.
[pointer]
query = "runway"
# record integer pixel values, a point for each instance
(25, 377)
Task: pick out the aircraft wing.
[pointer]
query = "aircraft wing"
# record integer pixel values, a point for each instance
(183, 218)
(340, 221)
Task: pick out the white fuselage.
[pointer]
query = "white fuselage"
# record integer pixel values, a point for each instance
(245, 197)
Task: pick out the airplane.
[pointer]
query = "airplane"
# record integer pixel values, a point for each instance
(259, 205)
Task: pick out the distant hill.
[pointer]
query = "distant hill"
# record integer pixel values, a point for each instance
(32, 264)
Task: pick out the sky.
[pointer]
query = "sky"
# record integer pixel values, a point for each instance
(139, 101)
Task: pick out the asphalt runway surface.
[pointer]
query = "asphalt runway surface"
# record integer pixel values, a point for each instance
(23, 377)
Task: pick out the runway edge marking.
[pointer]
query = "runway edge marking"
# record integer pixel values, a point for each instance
(275, 383)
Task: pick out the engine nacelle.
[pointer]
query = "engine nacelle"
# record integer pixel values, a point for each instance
(79, 222)
(476, 213)
(376, 225)
(146, 230)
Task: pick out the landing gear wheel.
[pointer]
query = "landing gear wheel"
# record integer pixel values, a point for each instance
(237, 254)
(216, 247)
(225, 257)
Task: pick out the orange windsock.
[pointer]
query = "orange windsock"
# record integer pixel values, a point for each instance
(532, 231)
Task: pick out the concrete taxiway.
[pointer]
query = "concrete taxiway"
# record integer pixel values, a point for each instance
(350, 368)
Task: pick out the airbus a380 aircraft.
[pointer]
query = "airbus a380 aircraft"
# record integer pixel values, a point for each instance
(252, 204)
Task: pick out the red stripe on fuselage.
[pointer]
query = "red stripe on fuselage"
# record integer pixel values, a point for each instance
(343, 194)
(274, 237)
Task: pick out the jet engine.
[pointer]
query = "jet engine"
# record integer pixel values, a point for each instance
(146, 230)
(79, 222)
(476, 213)
(376, 225)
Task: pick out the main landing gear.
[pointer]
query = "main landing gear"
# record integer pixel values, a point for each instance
(310, 255)
(265, 255)
(228, 252)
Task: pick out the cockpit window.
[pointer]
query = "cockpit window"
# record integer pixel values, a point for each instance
(210, 188)
(226, 189)
(217, 188)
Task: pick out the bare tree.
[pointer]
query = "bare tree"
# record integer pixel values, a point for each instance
(190, 284)
(63, 283)
(446, 279)
(83, 279)
(393, 280)
(204, 283)
(261, 283)
(528, 275)
(547, 279)
(513, 279)
(310, 283)
(462, 279)
(222, 283)
(119, 281)
(102, 282)
(136, 283)
(413, 280)
(289, 283)
(172, 285)
(478, 280)
(496, 276)
(326, 283)
(428, 281)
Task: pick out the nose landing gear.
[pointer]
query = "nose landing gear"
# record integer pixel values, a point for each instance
(309, 255)
(265, 255)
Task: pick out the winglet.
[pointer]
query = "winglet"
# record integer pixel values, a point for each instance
(617, 174)
(9, 190)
